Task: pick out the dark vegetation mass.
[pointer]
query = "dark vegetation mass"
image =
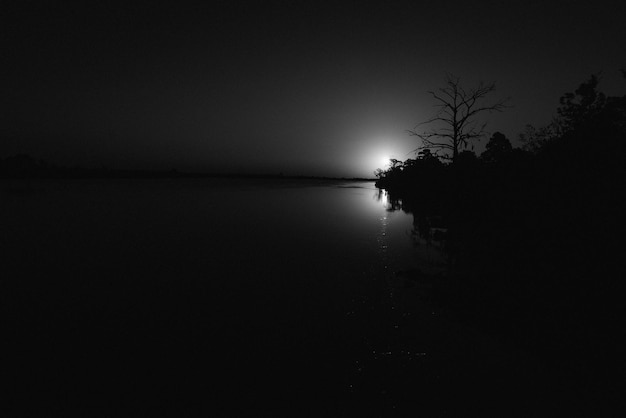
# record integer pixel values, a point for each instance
(533, 234)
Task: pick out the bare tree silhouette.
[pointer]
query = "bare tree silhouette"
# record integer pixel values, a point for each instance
(457, 117)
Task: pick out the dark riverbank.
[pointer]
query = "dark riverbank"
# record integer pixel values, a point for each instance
(534, 241)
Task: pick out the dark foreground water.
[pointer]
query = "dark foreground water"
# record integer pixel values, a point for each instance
(234, 298)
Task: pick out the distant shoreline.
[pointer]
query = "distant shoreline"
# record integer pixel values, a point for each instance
(25, 167)
(141, 174)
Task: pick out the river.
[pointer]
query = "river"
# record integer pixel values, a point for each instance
(227, 297)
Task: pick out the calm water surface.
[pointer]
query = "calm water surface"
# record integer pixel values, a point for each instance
(198, 293)
(236, 298)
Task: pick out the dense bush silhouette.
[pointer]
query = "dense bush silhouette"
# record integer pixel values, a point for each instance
(497, 149)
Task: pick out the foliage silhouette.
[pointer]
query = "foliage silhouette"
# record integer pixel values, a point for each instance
(497, 149)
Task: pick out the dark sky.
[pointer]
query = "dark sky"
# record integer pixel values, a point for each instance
(298, 88)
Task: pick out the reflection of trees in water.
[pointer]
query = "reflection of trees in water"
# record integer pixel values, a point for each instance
(390, 201)
(427, 226)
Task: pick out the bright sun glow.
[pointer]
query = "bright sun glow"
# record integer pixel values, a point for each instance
(384, 161)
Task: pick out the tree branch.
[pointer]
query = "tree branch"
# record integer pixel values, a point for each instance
(457, 109)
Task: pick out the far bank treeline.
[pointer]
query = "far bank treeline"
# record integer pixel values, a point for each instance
(26, 167)
(533, 232)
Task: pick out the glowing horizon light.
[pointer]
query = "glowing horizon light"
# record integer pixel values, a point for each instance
(376, 157)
